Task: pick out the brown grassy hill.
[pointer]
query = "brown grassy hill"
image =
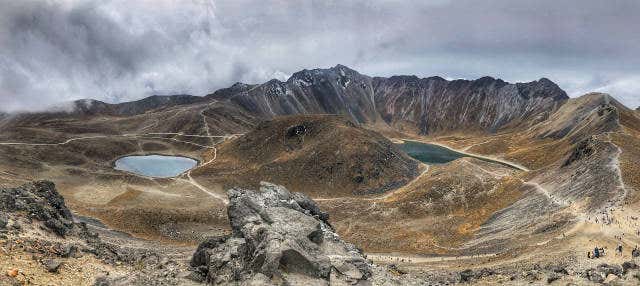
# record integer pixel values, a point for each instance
(321, 155)
(436, 213)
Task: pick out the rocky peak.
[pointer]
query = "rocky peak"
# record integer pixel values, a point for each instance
(342, 69)
(542, 88)
(488, 81)
(303, 78)
(423, 105)
(339, 72)
(278, 238)
(239, 85)
(402, 78)
(226, 93)
(435, 78)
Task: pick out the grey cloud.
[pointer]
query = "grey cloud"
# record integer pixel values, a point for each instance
(117, 50)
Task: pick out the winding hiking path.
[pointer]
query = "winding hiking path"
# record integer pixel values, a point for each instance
(154, 135)
(419, 259)
(135, 135)
(545, 192)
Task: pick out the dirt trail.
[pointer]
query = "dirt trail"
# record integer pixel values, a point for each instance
(192, 181)
(420, 259)
(546, 193)
(153, 135)
(127, 135)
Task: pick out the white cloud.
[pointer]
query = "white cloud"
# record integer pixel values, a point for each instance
(117, 50)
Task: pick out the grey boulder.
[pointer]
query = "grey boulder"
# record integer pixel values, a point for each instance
(279, 238)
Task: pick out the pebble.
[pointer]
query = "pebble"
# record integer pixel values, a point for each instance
(12, 272)
(52, 265)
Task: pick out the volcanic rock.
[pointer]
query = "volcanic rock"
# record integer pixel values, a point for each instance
(52, 265)
(41, 201)
(278, 238)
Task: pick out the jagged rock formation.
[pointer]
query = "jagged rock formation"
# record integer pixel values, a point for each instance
(40, 201)
(40, 240)
(279, 238)
(425, 106)
(434, 105)
(338, 90)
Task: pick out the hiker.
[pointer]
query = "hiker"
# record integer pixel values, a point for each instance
(596, 252)
(619, 249)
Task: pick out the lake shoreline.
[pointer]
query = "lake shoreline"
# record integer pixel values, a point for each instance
(465, 154)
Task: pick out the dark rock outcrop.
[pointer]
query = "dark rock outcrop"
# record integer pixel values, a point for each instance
(628, 265)
(278, 238)
(584, 149)
(41, 201)
(600, 273)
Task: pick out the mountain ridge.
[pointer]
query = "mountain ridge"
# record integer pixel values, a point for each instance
(404, 102)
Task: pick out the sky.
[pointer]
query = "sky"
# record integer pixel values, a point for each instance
(54, 51)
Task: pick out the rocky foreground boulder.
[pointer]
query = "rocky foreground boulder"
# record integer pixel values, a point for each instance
(279, 238)
(39, 200)
(40, 244)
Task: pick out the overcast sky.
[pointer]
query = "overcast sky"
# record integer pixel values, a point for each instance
(119, 50)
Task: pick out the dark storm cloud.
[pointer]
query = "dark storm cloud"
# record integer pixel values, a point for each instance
(54, 51)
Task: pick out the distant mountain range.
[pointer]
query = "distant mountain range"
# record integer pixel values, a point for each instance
(407, 103)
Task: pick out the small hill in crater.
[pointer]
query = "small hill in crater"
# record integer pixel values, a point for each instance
(321, 155)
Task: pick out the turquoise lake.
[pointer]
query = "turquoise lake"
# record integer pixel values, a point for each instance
(429, 153)
(157, 166)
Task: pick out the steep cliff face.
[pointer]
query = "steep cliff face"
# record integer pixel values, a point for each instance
(424, 106)
(338, 90)
(435, 105)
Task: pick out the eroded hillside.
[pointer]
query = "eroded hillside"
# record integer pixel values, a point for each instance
(321, 155)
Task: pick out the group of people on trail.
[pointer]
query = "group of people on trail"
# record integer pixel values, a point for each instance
(597, 253)
(600, 252)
